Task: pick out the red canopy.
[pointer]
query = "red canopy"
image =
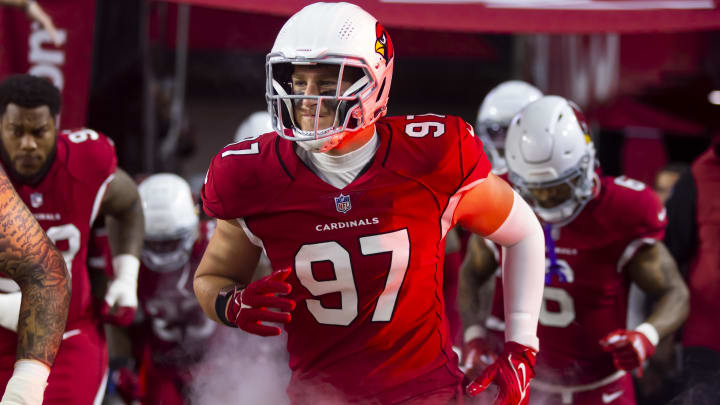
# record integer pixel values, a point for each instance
(516, 16)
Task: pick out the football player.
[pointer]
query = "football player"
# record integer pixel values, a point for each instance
(352, 208)
(33, 262)
(67, 179)
(601, 234)
(173, 332)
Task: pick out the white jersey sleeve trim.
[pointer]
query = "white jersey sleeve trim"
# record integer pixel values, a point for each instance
(99, 197)
(251, 236)
(449, 213)
(631, 249)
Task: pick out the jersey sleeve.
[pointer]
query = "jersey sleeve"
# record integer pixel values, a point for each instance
(441, 152)
(218, 193)
(639, 219)
(211, 193)
(474, 164)
(91, 156)
(241, 180)
(644, 215)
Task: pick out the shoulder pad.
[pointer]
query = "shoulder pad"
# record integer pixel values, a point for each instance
(440, 151)
(636, 210)
(243, 177)
(89, 155)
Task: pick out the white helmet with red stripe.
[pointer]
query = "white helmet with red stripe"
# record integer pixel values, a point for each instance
(498, 108)
(548, 146)
(338, 34)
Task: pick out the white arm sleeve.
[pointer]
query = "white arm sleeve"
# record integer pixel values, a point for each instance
(10, 310)
(523, 272)
(27, 384)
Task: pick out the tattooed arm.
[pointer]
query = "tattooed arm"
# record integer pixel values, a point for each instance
(28, 257)
(655, 272)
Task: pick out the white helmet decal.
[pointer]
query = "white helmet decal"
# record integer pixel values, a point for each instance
(339, 34)
(170, 218)
(548, 144)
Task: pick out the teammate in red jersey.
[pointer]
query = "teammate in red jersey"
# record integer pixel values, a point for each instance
(602, 233)
(352, 209)
(67, 179)
(173, 333)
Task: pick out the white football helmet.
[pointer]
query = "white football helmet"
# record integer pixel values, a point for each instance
(498, 108)
(340, 34)
(171, 222)
(257, 123)
(548, 144)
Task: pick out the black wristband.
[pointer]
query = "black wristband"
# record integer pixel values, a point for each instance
(225, 294)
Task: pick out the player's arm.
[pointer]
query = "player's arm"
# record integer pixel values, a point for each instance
(655, 272)
(230, 258)
(493, 210)
(653, 269)
(126, 226)
(123, 210)
(29, 258)
(476, 286)
(224, 289)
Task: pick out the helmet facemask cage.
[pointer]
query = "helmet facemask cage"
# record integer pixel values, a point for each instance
(581, 179)
(169, 253)
(348, 109)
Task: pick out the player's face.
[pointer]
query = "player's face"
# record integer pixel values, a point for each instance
(316, 80)
(28, 136)
(550, 197)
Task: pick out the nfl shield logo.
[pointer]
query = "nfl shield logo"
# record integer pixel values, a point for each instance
(342, 203)
(36, 200)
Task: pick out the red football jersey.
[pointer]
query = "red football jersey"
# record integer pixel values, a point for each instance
(366, 259)
(65, 203)
(592, 252)
(174, 329)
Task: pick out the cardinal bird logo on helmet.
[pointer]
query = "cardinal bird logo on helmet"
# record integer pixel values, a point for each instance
(383, 45)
